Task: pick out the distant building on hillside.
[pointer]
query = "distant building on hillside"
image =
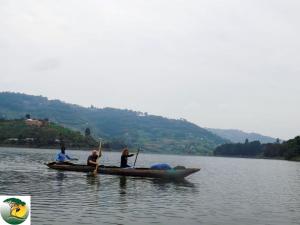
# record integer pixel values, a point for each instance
(13, 139)
(34, 122)
(29, 139)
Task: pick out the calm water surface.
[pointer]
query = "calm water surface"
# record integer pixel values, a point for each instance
(226, 191)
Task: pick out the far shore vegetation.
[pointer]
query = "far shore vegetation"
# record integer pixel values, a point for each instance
(41, 133)
(289, 150)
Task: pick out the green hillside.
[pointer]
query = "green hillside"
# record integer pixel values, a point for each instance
(153, 133)
(18, 133)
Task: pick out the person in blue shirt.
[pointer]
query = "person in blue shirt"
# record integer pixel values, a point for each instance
(62, 156)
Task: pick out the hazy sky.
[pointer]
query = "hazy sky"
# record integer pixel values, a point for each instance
(218, 63)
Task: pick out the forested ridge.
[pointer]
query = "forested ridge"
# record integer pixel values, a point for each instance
(125, 127)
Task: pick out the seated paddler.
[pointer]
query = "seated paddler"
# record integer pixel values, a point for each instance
(62, 157)
(92, 159)
(124, 158)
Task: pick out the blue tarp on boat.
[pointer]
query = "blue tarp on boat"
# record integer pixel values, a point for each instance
(161, 166)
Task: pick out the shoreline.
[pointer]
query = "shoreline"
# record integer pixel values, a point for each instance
(104, 149)
(296, 159)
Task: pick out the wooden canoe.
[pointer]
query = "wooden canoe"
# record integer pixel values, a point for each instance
(173, 174)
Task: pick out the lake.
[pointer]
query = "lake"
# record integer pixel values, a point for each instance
(230, 191)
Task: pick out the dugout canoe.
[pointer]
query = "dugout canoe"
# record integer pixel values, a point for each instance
(175, 173)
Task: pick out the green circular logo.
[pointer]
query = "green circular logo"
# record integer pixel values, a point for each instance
(14, 211)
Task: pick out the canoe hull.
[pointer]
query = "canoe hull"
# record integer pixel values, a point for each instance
(134, 172)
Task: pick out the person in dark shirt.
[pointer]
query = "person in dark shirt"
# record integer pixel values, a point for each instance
(124, 158)
(92, 159)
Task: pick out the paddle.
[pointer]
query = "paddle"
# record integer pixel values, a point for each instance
(99, 155)
(136, 157)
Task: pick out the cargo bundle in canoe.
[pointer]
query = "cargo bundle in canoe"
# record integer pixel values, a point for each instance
(175, 173)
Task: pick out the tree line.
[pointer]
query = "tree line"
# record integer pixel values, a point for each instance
(287, 150)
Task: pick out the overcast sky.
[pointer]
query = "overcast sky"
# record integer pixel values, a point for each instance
(217, 63)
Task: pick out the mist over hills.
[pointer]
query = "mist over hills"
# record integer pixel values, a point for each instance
(153, 133)
(238, 136)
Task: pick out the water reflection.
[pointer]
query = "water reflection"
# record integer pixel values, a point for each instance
(60, 176)
(59, 181)
(123, 182)
(180, 183)
(123, 193)
(93, 181)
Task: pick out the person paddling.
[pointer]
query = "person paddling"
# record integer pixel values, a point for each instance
(62, 157)
(124, 158)
(92, 159)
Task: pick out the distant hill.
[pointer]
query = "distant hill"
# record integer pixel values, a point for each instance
(238, 136)
(153, 133)
(19, 133)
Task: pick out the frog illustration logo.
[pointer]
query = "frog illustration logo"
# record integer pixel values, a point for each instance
(14, 211)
